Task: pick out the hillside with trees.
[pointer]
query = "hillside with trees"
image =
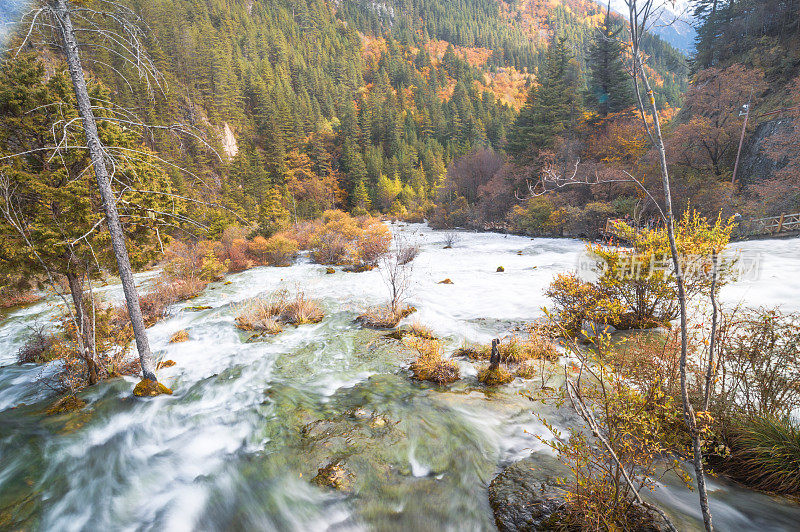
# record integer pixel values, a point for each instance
(300, 106)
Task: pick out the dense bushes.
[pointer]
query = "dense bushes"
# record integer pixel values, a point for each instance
(344, 240)
(636, 287)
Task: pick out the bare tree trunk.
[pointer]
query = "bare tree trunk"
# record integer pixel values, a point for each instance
(96, 152)
(688, 411)
(494, 360)
(712, 342)
(83, 323)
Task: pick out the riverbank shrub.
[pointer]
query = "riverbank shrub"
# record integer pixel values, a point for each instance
(759, 357)
(344, 240)
(630, 434)
(38, 348)
(277, 250)
(636, 285)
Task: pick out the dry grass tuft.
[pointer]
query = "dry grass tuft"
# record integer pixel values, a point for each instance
(526, 371)
(515, 349)
(420, 331)
(494, 377)
(269, 313)
(383, 317)
(429, 364)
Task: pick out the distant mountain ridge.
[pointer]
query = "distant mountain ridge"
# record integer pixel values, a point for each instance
(675, 23)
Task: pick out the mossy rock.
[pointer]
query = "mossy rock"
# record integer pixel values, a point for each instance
(330, 271)
(197, 308)
(334, 475)
(500, 269)
(494, 377)
(150, 388)
(445, 281)
(66, 404)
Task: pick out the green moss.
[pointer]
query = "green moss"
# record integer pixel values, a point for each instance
(197, 308)
(149, 388)
(66, 404)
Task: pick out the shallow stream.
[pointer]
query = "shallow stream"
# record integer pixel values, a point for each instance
(250, 423)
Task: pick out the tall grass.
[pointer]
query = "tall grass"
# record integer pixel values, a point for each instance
(766, 453)
(269, 313)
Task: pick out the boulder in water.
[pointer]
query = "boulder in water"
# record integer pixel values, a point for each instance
(591, 329)
(500, 269)
(329, 271)
(149, 388)
(524, 496)
(445, 281)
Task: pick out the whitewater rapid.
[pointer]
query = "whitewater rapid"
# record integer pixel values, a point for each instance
(251, 422)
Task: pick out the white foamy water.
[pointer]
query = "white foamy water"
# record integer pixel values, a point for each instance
(251, 422)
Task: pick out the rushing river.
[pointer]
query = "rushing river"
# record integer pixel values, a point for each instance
(251, 422)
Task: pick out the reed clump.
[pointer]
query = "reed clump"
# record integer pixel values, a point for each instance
(270, 313)
(429, 364)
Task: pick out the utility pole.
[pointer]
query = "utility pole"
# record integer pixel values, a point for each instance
(741, 138)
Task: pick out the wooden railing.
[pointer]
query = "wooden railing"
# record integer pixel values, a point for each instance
(772, 225)
(781, 225)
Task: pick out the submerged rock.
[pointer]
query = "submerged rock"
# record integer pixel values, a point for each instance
(68, 403)
(197, 308)
(591, 329)
(148, 388)
(525, 495)
(445, 281)
(500, 269)
(334, 475)
(329, 271)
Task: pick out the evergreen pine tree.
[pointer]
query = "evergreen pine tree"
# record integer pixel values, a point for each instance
(610, 88)
(551, 108)
(360, 199)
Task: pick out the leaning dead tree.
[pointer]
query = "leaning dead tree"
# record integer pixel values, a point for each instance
(75, 30)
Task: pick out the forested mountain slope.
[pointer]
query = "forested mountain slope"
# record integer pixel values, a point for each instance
(358, 104)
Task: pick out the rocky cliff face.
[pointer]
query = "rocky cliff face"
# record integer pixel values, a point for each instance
(769, 149)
